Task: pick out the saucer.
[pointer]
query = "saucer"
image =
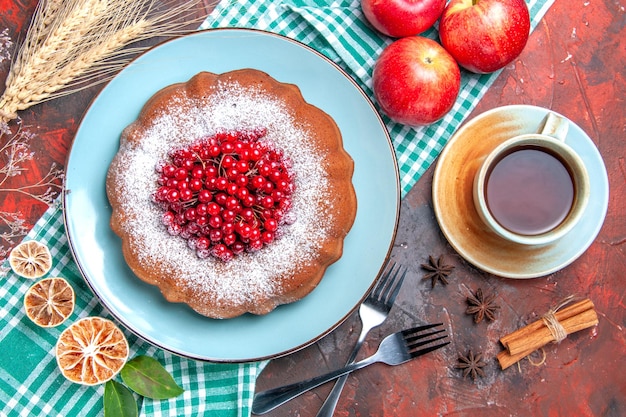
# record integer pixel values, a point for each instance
(454, 206)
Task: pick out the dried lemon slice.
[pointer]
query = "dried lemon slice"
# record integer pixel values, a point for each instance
(91, 351)
(30, 259)
(49, 302)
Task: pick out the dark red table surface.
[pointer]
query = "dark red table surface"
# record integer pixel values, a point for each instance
(574, 63)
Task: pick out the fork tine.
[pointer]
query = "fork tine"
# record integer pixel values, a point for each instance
(418, 329)
(425, 342)
(389, 284)
(382, 281)
(391, 292)
(424, 351)
(410, 339)
(414, 338)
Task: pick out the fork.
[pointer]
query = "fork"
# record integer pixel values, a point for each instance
(373, 312)
(395, 349)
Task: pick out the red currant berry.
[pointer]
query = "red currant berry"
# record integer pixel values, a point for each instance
(190, 214)
(228, 161)
(242, 193)
(186, 195)
(231, 188)
(238, 247)
(241, 181)
(228, 227)
(183, 185)
(270, 225)
(221, 198)
(204, 254)
(173, 195)
(201, 209)
(247, 214)
(268, 187)
(285, 204)
(214, 150)
(197, 172)
(210, 171)
(195, 184)
(244, 230)
(202, 243)
(167, 218)
(216, 235)
(242, 166)
(213, 209)
(255, 245)
(215, 221)
(180, 174)
(161, 193)
(255, 234)
(276, 175)
(187, 164)
(267, 201)
(231, 202)
(205, 196)
(192, 228)
(265, 170)
(227, 147)
(255, 154)
(267, 237)
(257, 181)
(174, 229)
(169, 170)
(221, 183)
(249, 201)
(229, 239)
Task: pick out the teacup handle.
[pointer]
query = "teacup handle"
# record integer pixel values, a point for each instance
(555, 126)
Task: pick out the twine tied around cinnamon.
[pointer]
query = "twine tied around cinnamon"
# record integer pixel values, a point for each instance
(552, 323)
(554, 326)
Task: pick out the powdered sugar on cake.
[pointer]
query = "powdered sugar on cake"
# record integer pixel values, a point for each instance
(230, 108)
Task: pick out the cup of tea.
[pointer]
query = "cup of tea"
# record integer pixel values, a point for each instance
(532, 189)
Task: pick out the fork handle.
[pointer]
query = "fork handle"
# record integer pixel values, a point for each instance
(268, 400)
(328, 408)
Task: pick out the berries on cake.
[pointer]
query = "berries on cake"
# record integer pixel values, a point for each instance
(231, 193)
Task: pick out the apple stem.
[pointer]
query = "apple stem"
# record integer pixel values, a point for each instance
(474, 2)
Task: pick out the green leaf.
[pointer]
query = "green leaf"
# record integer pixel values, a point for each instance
(147, 377)
(118, 401)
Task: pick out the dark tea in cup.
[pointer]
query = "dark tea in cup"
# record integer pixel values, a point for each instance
(529, 191)
(532, 189)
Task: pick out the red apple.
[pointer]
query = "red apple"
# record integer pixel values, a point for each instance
(400, 18)
(416, 81)
(484, 35)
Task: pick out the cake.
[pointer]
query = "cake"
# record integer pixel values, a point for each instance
(226, 243)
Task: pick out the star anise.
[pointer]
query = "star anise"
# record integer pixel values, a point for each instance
(438, 270)
(471, 365)
(482, 306)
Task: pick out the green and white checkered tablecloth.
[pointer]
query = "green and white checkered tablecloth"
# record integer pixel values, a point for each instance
(30, 383)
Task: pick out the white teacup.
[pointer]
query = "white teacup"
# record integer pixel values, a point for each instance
(532, 189)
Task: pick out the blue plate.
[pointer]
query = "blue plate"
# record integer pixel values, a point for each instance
(175, 327)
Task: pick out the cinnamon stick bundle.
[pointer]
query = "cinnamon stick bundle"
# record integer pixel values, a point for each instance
(552, 327)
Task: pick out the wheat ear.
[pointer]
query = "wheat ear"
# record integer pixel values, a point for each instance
(73, 44)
